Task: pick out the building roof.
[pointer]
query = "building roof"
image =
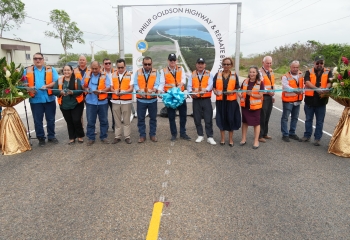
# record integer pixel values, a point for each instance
(19, 40)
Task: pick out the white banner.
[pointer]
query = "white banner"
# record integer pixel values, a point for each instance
(189, 31)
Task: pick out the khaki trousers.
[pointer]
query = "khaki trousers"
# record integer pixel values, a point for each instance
(119, 111)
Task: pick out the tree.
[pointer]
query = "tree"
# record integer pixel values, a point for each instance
(11, 11)
(67, 31)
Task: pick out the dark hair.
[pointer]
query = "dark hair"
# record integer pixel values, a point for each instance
(38, 53)
(120, 60)
(146, 58)
(105, 59)
(257, 80)
(72, 78)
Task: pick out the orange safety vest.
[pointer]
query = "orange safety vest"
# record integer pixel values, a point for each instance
(123, 84)
(101, 84)
(31, 78)
(78, 74)
(79, 98)
(146, 84)
(254, 103)
(230, 86)
(103, 70)
(269, 84)
(292, 96)
(198, 85)
(171, 80)
(324, 80)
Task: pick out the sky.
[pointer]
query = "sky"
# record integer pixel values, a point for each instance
(265, 24)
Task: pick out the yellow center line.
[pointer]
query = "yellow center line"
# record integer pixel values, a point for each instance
(153, 228)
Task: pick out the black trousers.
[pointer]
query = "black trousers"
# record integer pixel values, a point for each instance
(265, 114)
(110, 104)
(73, 119)
(202, 107)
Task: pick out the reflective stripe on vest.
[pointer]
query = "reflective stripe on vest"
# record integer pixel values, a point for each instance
(101, 84)
(254, 103)
(125, 85)
(230, 86)
(79, 98)
(291, 96)
(324, 80)
(269, 84)
(170, 80)
(31, 78)
(198, 86)
(143, 85)
(78, 74)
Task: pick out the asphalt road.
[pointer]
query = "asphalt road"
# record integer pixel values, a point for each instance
(279, 191)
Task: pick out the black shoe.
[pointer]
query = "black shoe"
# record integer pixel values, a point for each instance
(41, 142)
(53, 140)
(295, 137)
(286, 138)
(173, 138)
(185, 137)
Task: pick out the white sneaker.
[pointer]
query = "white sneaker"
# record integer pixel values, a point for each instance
(199, 139)
(211, 141)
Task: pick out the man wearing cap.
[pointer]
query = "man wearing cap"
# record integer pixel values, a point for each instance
(174, 76)
(317, 79)
(146, 83)
(201, 82)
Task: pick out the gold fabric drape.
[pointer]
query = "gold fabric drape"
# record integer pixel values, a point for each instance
(13, 136)
(340, 142)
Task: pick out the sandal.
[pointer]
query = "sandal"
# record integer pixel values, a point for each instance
(71, 142)
(80, 141)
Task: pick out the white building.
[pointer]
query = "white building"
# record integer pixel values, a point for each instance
(18, 51)
(51, 59)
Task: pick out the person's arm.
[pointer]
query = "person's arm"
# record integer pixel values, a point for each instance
(136, 83)
(260, 94)
(330, 77)
(161, 81)
(78, 91)
(108, 84)
(156, 84)
(56, 92)
(214, 85)
(210, 83)
(183, 76)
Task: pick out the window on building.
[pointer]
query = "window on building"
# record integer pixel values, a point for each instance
(27, 56)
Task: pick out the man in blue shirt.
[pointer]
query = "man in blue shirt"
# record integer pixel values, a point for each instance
(96, 84)
(146, 82)
(42, 102)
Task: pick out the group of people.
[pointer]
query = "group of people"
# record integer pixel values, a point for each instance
(98, 88)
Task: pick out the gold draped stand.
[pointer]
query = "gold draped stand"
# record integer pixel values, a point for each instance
(13, 135)
(340, 142)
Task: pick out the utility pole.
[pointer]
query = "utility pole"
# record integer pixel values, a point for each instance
(121, 32)
(92, 51)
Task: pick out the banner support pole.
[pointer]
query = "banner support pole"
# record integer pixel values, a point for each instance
(121, 32)
(238, 37)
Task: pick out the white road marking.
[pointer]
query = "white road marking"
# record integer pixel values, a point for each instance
(327, 133)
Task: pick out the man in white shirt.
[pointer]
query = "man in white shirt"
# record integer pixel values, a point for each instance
(174, 76)
(107, 68)
(292, 95)
(122, 86)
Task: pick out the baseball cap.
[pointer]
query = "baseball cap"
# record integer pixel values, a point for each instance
(172, 56)
(200, 60)
(319, 58)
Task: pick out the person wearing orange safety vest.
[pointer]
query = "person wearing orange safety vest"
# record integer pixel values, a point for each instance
(122, 85)
(109, 70)
(146, 83)
(82, 68)
(174, 76)
(228, 115)
(40, 78)
(251, 104)
(268, 78)
(71, 100)
(97, 85)
(200, 84)
(292, 95)
(318, 79)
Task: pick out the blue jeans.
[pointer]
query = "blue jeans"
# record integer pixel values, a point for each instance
(320, 113)
(289, 109)
(141, 115)
(38, 111)
(92, 111)
(183, 116)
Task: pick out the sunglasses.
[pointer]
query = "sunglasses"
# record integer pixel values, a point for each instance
(147, 64)
(38, 59)
(172, 60)
(120, 67)
(108, 63)
(226, 64)
(319, 63)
